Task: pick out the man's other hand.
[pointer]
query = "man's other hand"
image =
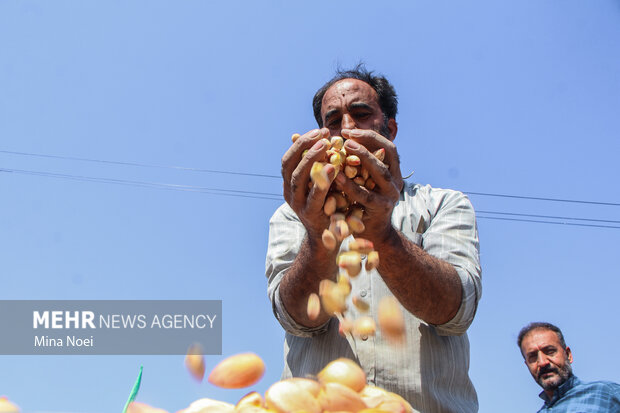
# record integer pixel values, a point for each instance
(378, 203)
(296, 175)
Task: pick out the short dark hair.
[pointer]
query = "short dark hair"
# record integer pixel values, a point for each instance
(388, 101)
(540, 326)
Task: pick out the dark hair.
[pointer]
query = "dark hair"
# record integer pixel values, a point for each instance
(388, 101)
(540, 326)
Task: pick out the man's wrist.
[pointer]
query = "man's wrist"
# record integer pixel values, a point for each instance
(318, 251)
(386, 238)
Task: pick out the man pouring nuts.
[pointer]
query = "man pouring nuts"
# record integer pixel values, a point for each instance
(373, 247)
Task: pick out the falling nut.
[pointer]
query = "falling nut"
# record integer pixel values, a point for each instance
(319, 176)
(314, 306)
(195, 362)
(372, 260)
(333, 297)
(391, 319)
(339, 228)
(329, 240)
(361, 245)
(238, 371)
(351, 261)
(360, 304)
(364, 326)
(344, 281)
(330, 205)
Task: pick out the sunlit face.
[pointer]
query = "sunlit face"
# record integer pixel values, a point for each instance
(549, 363)
(353, 104)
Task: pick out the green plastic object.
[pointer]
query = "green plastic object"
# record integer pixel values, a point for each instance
(134, 391)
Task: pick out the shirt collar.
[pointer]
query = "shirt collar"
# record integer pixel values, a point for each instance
(560, 391)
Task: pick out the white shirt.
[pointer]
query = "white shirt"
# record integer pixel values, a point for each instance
(431, 369)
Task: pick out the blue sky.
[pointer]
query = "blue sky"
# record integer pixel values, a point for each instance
(516, 97)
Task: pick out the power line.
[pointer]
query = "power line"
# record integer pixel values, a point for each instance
(143, 165)
(216, 171)
(548, 216)
(547, 222)
(576, 201)
(158, 185)
(278, 197)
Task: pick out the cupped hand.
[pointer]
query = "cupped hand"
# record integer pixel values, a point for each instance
(380, 202)
(308, 205)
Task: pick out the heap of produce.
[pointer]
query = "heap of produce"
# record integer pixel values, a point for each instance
(339, 387)
(7, 406)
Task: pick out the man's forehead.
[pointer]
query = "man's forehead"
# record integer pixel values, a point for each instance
(349, 90)
(539, 338)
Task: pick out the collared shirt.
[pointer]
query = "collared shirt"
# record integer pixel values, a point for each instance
(575, 396)
(431, 369)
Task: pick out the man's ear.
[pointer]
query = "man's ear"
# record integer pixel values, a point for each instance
(569, 354)
(393, 128)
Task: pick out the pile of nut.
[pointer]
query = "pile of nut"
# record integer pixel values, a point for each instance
(339, 387)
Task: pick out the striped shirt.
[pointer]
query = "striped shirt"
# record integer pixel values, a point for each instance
(577, 396)
(431, 369)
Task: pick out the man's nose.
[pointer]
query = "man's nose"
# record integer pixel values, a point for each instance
(542, 361)
(348, 122)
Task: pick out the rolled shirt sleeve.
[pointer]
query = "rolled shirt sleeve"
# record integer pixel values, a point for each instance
(452, 236)
(286, 233)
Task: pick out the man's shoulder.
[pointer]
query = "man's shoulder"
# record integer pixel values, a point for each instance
(414, 188)
(601, 394)
(284, 213)
(434, 196)
(600, 385)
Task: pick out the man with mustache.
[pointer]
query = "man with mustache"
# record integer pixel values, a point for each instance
(427, 243)
(549, 360)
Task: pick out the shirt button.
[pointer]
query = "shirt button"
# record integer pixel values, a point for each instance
(364, 337)
(363, 293)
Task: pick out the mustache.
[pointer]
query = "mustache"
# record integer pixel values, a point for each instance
(547, 369)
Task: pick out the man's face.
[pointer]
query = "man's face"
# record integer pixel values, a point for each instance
(353, 104)
(547, 361)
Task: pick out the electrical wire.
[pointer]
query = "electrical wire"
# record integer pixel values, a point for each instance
(547, 222)
(279, 198)
(576, 201)
(549, 216)
(506, 216)
(158, 185)
(216, 171)
(143, 165)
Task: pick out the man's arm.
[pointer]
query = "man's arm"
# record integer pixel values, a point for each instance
(312, 264)
(428, 287)
(313, 261)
